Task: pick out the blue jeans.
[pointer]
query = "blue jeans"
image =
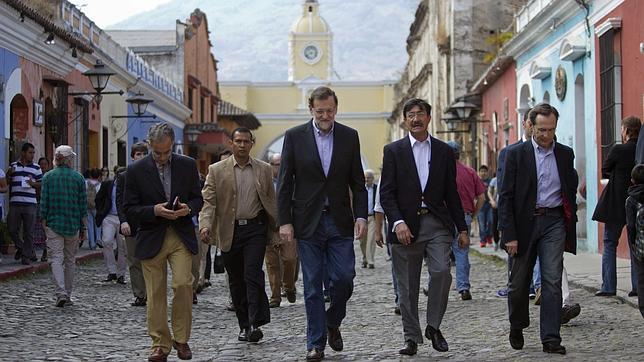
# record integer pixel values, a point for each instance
(462, 260)
(326, 245)
(612, 233)
(93, 230)
(484, 218)
(536, 275)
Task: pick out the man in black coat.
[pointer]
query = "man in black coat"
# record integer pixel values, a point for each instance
(162, 192)
(419, 196)
(107, 217)
(537, 213)
(320, 164)
(610, 208)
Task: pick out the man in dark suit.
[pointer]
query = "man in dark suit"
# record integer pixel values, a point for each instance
(320, 164)
(107, 217)
(418, 193)
(162, 192)
(537, 213)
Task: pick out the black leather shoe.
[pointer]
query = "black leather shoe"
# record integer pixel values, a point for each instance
(516, 338)
(243, 335)
(397, 310)
(334, 338)
(121, 280)
(632, 293)
(438, 341)
(410, 348)
(604, 294)
(553, 347)
(291, 296)
(194, 298)
(25, 261)
(371, 266)
(110, 277)
(466, 295)
(314, 355)
(569, 311)
(139, 302)
(18, 254)
(255, 334)
(364, 264)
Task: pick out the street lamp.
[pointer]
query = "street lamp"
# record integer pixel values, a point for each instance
(450, 120)
(99, 76)
(139, 103)
(192, 134)
(463, 109)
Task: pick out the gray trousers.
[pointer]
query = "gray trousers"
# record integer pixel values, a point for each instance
(548, 242)
(134, 265)
(25, 216)
(433, 241)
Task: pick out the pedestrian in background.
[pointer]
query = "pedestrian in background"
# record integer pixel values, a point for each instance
(367, 243)
(25, 177)
(243, 185)
(537, 213)
(635, 228)
(93, 228)
(40, 238)
(107, 216)
(610, 209)
(484, 215)
(129, 228)
(63, 211)
(314, 208)
(162, 193)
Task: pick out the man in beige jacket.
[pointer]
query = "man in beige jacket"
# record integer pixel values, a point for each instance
(239, 205)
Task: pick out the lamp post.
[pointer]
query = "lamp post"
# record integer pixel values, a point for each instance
(139, 104)
(99, 76)
(193, 134)
(465, 110)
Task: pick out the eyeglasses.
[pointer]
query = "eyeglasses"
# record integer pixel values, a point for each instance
(412, 115)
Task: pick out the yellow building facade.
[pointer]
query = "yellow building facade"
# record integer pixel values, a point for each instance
(362, 105)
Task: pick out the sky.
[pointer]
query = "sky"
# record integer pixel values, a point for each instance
(105, 13)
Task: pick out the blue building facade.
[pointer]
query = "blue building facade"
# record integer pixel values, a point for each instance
(9, 62)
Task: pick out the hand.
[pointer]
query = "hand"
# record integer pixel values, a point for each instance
(378, 238)
(493, 204)
(404, 234)
(463, 240)
(125, 229)
(360, 230)
(81, 234)
(161, 211)
(204, 235)
(182, 211)
(287, 233)
(9, 171)
(512, 247)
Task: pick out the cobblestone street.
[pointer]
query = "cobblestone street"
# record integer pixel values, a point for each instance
(102, 325)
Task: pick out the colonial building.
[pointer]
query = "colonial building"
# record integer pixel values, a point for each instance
(447, 45)
(363, 105)
(185, 54)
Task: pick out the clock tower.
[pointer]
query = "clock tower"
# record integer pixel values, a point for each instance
(310, 45)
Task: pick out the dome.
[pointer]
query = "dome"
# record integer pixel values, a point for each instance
(311, 21)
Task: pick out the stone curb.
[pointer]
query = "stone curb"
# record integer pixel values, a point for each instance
(30, 269)
(574, 283)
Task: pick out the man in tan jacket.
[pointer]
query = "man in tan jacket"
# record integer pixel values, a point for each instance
(239, 205)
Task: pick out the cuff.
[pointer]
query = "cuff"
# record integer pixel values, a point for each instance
(396, 224)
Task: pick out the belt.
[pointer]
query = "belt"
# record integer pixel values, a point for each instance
(326, 208)
(540, 211)
(423, 211)
(259, 219)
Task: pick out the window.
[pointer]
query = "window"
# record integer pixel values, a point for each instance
(203, 109)
(609, 82)
(190, 98)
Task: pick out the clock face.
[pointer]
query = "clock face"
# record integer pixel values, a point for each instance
(311, 52)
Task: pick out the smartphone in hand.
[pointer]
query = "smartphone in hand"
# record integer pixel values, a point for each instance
(174, 205)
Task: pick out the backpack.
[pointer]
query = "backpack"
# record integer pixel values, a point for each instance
(91, 196)
(638, 246)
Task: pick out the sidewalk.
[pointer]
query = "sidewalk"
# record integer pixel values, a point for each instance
(584, 270)
(10, 268)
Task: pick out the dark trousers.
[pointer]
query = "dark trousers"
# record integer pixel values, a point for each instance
(548, 242)
(495, 225)
(243, 263)
(328, 254)
(23, 216)
(209, 261)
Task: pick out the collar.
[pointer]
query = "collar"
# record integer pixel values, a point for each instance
(235, 163)
(541, 149)
(319, 132)
(168, 163)
(413, 140)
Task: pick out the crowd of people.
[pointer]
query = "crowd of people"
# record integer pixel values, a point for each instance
(306, 207)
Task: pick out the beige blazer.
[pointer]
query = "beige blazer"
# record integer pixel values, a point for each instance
(220, 199)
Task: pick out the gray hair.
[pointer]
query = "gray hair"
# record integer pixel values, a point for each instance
(275, 156)
(66, 161)
(160, 131)
(369, 172)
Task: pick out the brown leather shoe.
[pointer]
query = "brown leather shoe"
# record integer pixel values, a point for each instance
(335, 339)
(183, 350)
(315, 355)
(157, 355)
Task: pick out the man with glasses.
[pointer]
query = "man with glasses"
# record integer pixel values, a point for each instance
(320, 164)
(281, 258)
(426, 215)
(162, 192)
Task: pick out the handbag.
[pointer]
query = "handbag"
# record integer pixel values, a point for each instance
(218, 262)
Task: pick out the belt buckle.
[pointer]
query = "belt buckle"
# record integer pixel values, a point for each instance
(423, 211)
(242, 222)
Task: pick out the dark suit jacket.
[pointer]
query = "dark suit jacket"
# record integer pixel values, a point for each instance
(104, 201)
(500, 165)
(617, 169)
(639, 150)
(303, 187)
(143, 190)
(120, 193)
(518, 194)
(400, 192)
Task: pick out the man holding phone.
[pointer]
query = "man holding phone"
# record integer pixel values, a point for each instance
(166, 235)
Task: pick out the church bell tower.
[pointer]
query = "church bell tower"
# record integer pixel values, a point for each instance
(310, 45)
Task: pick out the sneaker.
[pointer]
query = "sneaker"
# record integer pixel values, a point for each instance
(482, 244)
(533, 293)
(502, 293)
(489, 240)
(465, 295)
(569, 312)
(61, 300)
(110, 277)
(121, 280)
